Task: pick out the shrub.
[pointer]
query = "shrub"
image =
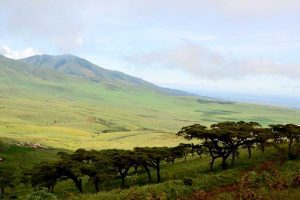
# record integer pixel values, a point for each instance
(41, 194)
(296, 179)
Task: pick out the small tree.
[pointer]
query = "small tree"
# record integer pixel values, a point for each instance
(94, 164)
(153, 156)
(43, 175)
(263, 137)
(289, 131)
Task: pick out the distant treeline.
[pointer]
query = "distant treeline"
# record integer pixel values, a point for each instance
(222, 140)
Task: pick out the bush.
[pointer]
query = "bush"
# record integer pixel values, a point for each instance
(296, 179)
(294, 154)
(41, 194)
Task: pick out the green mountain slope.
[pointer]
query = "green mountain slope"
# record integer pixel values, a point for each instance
(55, 108)
(77, 67)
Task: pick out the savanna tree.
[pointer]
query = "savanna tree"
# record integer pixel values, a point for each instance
(122, 161)
(153, 156)
(223, 139)
(291, 132)
(48, 174)
(263, 137)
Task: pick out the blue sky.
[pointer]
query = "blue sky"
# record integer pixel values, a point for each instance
(240, 46)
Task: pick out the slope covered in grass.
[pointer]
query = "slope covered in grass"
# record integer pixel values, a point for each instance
(218, 184)
(42, 105)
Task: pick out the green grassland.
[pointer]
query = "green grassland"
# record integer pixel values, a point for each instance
(90, 115)
(73, 114)
(42, 105)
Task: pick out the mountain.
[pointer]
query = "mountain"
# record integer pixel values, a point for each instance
(74, 66)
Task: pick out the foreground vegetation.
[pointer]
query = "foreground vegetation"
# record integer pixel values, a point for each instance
(268, 164)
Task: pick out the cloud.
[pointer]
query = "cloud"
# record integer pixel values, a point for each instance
(61, 24)
(69, 43)
(203, 62)
(256, 8)
(27, 52)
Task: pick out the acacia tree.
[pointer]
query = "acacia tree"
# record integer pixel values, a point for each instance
(48, 174)
(289, 131)
(182, 150)
(222, 139)
(122, 161)
(263, 137)
(246, 133)
(44, 175)
(153, 156)
(69, 169)
(95, 165)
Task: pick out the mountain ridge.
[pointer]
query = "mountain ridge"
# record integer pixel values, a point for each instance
(75, 66)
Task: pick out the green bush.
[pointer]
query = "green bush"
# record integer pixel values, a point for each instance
(41, 194)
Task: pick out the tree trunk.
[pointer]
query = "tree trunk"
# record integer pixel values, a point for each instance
(148, 172)
(193, 150)
(123, 181)
(158, 170)
(224, 164)
(78, 183)
(290, 144)
(51, 188)
(249, 151)
(2, 191)
(263, 148)
(123, 175)
(212, 163)
(233, 158)
(96, 183)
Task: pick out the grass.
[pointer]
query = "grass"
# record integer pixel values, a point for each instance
(204, 181)
(137, 186)
(69, 114)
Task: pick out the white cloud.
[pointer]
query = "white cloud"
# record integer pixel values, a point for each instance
(205, 63)
(27, 52)
(69, 43)
(257, 8)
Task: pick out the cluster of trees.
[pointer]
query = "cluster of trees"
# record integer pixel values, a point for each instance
(102, 166)
(224, 140)
(221, 141)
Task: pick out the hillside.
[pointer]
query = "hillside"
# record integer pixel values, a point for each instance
(74, 66)
(76, 104)
(218, 184)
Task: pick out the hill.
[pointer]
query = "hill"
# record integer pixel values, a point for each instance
(74, 104)
(77, 67)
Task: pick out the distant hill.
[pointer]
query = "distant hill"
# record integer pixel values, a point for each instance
(74, 66)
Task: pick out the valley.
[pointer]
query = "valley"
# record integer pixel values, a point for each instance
(40, 104)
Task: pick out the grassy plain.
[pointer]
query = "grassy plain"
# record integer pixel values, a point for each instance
(74, 114)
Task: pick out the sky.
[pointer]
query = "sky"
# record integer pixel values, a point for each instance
(248, 47)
